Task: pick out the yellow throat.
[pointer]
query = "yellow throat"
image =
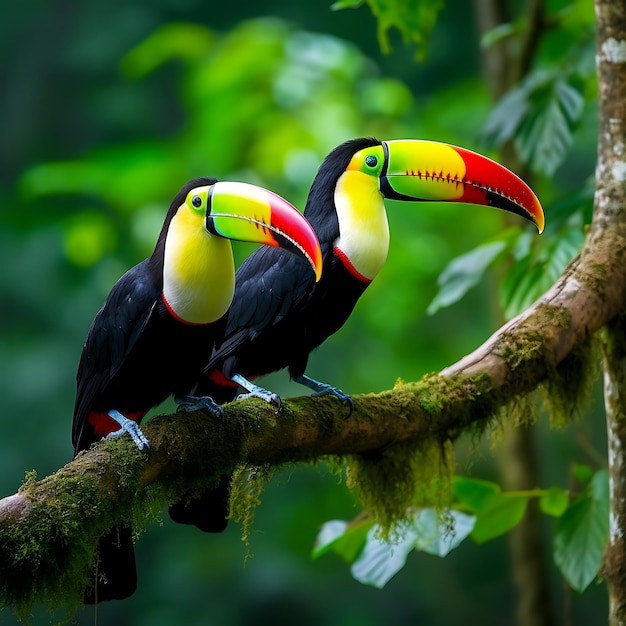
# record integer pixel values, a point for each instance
(198, 270)
(363, 227)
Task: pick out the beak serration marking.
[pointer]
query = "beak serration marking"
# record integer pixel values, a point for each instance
(449, 178)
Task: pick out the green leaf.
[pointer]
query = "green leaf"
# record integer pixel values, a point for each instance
(463, 273)
(474, 493)
(583, 473)
(554, 501)
(545, 135)
(582, 532)
(415, 19)
(343, 538)
(497, 519)
(540, 115)
(506, 117)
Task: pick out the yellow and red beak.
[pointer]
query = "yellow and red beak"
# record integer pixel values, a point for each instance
(414, 170)
(246, 212)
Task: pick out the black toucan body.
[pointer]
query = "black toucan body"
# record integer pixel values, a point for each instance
(279, 314)
(158, 326)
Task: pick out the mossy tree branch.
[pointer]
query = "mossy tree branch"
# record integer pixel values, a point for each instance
(48, 530)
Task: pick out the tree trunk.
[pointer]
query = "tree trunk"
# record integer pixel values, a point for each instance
(610, 201)
(614, 364)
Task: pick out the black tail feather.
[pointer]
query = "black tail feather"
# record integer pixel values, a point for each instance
(208, 509)
(115, 573)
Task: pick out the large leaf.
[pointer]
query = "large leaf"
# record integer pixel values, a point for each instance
(474, 493)
(506, 117)
(504, 514)
(582, 532)
(381, 560)
(428, 532)
(540, 115)
(463, 273)
(438, 536)
(545, 134)
(496, 512)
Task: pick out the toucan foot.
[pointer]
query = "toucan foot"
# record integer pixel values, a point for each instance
(132, 428)
(197, 403)
(322, 389)
(344, 398)
(263, 394)
(254, 391)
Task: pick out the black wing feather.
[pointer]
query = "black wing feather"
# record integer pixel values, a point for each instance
(270, 284)
(113, 333)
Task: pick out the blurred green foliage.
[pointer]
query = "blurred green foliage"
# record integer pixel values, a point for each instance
(480, 510)
(109, 107)
(415, 19)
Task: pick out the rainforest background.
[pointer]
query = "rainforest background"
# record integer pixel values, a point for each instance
(107, 108)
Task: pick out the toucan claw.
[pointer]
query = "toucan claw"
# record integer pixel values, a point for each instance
(132, 428)
(190, 403)
(263, 394)
(254, 391)
(322, 389)
(344, 398)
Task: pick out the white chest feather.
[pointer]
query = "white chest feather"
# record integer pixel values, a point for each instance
(363, 226)
(198, 271)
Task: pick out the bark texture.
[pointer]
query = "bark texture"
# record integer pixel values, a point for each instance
(610, 203)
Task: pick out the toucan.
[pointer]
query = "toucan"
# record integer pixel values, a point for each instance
(280, 314)
(156, 330)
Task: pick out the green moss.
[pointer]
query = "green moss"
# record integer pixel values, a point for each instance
(46, 557)
(519, 349)
(247, 486)
(520, 411)
(569, 387)
(30, 479)
(391, 482)
(47, 548)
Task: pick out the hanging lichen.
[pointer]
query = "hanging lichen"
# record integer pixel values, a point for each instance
(247, 485)
(569, 386)
(520, 411)
(391, 482)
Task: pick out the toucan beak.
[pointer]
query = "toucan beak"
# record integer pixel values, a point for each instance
(246, 212)
(429, 170)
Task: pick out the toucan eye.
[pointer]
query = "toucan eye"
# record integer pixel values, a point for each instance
(371, 161)
(196, 201)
